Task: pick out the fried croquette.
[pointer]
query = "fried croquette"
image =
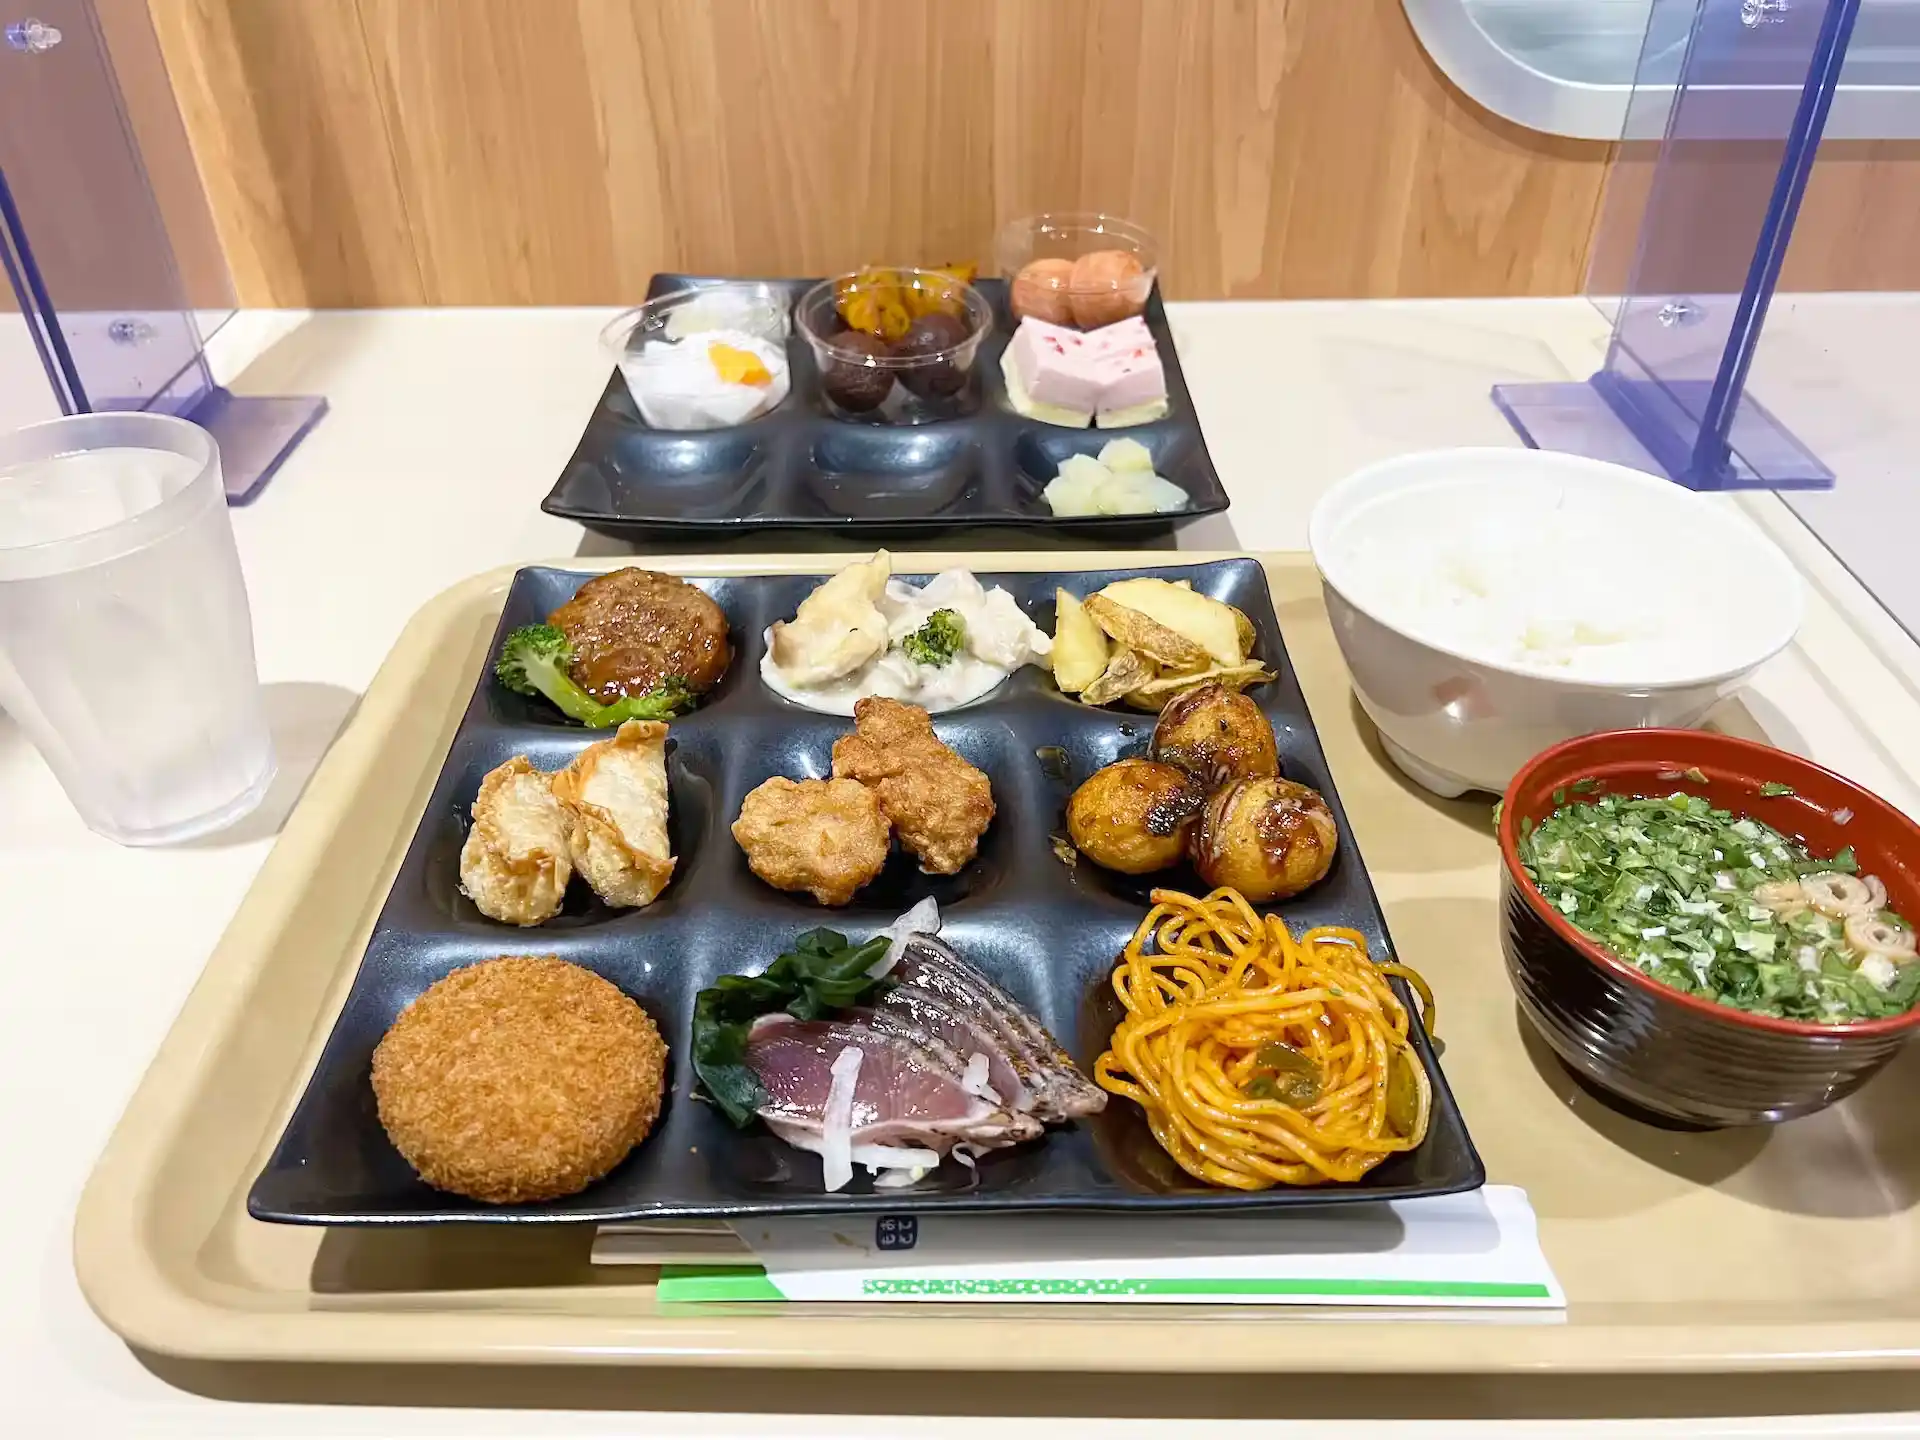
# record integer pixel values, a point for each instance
(937, 803)
(516, 1079)
(515, 862)
(615, 797)
(826, 837)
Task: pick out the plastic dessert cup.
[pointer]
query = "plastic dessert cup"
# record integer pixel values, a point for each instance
(752, 307)
(868, 380)
(1040, 257)
(126, 645)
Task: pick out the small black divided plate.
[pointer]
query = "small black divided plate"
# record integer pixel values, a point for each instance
(1047, 933)
(799, 468)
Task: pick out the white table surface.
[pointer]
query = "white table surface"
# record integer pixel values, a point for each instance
(446, 429)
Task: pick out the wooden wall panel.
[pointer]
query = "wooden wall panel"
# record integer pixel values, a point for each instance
(561, 151)
(279, 103)
(492, 125)
(813, 137)
(1859, 226)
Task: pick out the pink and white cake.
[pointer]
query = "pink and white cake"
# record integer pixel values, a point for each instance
(1111, 376)
(1135, 389)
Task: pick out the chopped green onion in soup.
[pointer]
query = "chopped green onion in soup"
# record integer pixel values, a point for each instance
(1724, 907)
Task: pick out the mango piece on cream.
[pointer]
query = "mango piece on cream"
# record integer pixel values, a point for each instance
(736, 366)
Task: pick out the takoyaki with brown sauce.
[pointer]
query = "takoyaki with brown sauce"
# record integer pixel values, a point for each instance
(1216, 735)
(1134, 815)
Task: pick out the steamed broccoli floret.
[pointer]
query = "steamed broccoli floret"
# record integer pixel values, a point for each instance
(535, 659)
(937, 641)
(664, 701)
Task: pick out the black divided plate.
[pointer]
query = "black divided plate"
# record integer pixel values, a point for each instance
(1046, 932)
(799, 468)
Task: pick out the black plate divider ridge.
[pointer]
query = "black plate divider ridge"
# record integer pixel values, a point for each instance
(1046, 932)
(800, 468)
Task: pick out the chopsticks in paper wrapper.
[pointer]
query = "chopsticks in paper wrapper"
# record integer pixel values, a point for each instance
(1473, 1251)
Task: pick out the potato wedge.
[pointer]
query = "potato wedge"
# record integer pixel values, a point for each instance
(1079, 646)
(1126, 671)
(1233, 677)
(1199, 620)
(1247, 633)
(1134, 630)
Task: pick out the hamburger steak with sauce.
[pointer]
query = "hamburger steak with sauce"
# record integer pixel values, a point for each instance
(632, 629)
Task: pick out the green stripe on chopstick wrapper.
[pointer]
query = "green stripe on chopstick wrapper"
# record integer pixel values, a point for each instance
(1329, 1289)
(749, 1282)
(715, 1282)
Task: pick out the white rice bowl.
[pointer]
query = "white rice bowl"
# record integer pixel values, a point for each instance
(1491, 603)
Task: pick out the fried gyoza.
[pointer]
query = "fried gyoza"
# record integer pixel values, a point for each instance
(615, 796)
(938, 804)
(515, 863)
(826, 837)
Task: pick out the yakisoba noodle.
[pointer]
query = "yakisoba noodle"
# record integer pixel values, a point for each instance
(1230, 1018)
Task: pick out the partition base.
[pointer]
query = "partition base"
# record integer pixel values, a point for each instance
(1596, 418)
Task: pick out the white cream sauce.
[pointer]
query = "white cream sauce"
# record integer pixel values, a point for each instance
(999, 640)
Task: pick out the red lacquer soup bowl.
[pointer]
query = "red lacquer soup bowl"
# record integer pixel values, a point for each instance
(1679, 1056)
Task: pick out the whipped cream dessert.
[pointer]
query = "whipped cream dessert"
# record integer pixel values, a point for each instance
(710, 379)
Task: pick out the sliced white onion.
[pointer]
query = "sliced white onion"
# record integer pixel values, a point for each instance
(895, 1167)
(876, 1158)
(922, 919)
(895, 1157)
(973, 1079)
(836, 1124)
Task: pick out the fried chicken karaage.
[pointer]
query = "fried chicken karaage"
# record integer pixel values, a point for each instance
(938, 804)
(825, 837)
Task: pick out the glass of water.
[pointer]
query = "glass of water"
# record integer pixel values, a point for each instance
(126, 646)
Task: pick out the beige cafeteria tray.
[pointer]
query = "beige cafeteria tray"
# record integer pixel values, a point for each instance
(1794, 1247)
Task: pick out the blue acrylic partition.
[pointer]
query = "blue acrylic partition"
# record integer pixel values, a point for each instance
(106, 239)
(1738, 124)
